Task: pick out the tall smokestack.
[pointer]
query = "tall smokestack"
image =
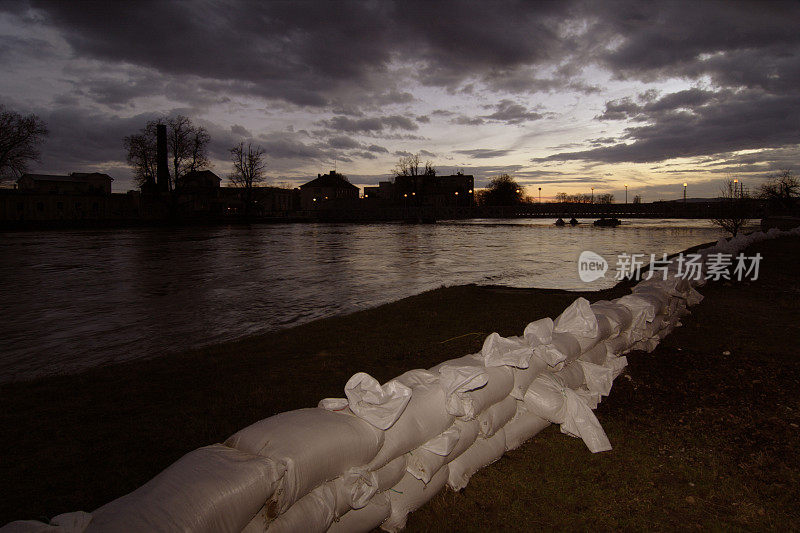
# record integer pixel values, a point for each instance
(162, 172)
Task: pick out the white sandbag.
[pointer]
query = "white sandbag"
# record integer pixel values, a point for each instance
(379, 405)
(483, 452)
(499, 385)
(618, 315)
(443, 443)
(365, 519)
(617, 345)
(617, 365)
(499, 380)
(641, 309)
(424, 464)
(599, 352)
(424, 418)
(550, 399)
(654, 295)
(499, 351)
(75, 522)
(568, 345)
(577, 319)
(496, 416)
(390, 475)
(539, 332)
(571, 375)
(313, 445)
(409, 495)
(523, 427)
(353, 489)
(598, 378)
(523, 377)
(604, 331)
(191, 494)
(313, 513)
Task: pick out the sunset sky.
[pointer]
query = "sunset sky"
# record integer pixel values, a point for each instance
(561, 95)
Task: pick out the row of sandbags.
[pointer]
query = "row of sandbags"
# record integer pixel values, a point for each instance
(369, 459)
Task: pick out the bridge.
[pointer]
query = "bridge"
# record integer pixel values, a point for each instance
(746, 208)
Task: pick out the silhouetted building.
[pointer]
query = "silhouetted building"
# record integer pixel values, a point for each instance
(328, 191)
(202, 181)
(75, 183)
(383, 191)
(435, 191)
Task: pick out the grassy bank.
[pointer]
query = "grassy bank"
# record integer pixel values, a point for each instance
(699, 437)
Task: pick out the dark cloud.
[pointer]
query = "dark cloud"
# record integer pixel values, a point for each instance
(484, 153)
(730, 122)
(463, 120)
(370, 124)
(426, 153)
(343, 141)
(236, 129)
(512, 113)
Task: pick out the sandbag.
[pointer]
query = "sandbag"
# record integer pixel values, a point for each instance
(599, 352)
(523, 427)
(192, 493)
(551, 400)
(496, 416)
(499, 351)
(539, 332)
(409, 495)
(380, 405)
(523, 377)
(618, 315)
(313, 445)
(424, 418)
(75, 522)
(577, 319)
(313, 513)
(571, 376)
(390, 475)
(483, 452)
(365, 519)
(424, 464)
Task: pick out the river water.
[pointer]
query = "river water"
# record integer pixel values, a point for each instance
(74, 299)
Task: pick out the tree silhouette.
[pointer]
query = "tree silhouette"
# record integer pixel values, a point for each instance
(410, 166)
(734, 218)
(781, 190)
(187, 146)
(503, 190)
(20, 137)
(248, 171)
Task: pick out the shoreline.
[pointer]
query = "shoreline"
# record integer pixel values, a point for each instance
(78, 441)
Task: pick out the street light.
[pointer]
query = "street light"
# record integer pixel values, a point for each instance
(540, 195)
(735, 187)
(684, 193)
(626, 193)
(592, 194)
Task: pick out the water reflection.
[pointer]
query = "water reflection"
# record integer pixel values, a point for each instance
(76, 299)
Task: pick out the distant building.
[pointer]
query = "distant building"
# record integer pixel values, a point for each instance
(327, 191)
(199, 181)
(93, 183)
(435, 191)
(383, 191)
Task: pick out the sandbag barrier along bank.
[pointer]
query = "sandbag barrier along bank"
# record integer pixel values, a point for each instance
(369, 459)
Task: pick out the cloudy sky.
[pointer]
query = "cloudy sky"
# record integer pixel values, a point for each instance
(561, 95)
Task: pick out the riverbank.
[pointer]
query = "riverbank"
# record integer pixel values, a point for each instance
(685, 414)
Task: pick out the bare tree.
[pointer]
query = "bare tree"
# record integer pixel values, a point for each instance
(248, 170)
(410, 166)
(20, 137)
(605, 198)
(734, 218)
(187, 146)
(781, 190)
(141, 148)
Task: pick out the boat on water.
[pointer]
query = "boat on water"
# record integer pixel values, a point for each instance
(573, 221)
(560, 222)
(608, 222)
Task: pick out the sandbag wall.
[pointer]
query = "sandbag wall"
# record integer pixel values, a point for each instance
(382, 451)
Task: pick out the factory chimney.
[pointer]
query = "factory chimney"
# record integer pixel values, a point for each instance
(162, 172)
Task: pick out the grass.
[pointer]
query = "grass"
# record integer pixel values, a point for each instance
(701, 439)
